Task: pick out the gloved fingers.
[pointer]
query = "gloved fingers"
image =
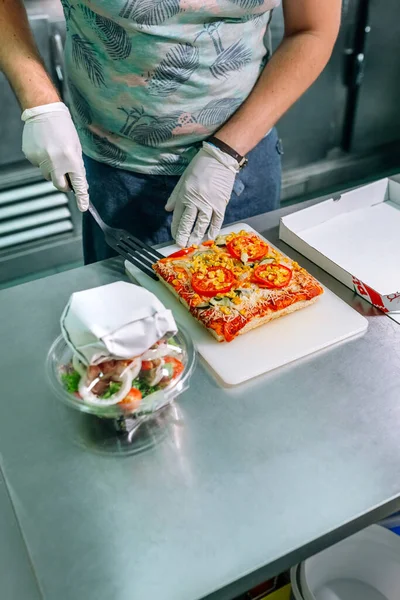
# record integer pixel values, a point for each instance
(185, 226)
(172, 200)
(57, 176)
(45, 169)
(33, 157)
(80, 188)
(200, 228)
(215, 225)
(176, 218)
(174, 204)
(77, 178)
(46, 175)
(59, 180)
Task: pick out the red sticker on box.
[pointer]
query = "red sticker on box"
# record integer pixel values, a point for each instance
(371, 295)
(392, 297)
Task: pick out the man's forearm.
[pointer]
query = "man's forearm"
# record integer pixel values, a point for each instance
(20, 60)
(292, 69)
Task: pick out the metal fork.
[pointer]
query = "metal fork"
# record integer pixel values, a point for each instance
(128, 246)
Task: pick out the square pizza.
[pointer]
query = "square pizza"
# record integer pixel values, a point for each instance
(236, 283)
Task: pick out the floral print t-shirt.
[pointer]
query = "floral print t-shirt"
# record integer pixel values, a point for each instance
(150, 79)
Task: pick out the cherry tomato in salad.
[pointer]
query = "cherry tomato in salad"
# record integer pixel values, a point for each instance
(147, 365)
(177, 366)
(273, 275)
(247, 244)
(216, 280)
(132, 400)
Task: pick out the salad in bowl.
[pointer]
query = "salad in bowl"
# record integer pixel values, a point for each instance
(118, 388)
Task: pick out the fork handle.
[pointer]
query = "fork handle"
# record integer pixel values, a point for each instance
(91, 208)
(96, 217)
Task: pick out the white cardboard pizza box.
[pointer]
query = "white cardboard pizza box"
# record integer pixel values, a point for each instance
(327, 322)
(355, 238)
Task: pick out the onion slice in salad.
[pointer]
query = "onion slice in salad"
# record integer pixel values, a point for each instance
(134, 368)
(125, 378)
(85, 391)
(159, 352)
(79, 366)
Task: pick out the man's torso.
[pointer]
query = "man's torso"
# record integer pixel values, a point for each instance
(150, 79)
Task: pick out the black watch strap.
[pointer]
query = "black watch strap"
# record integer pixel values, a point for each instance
(242, 160)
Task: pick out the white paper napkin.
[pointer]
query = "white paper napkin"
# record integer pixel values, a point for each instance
(118, 320)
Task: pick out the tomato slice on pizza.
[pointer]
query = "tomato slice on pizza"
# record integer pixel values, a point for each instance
(216, 280)
(178, 254)
(249, 247)
(273, 275)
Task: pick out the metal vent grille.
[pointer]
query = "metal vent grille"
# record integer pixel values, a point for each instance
(32, 212)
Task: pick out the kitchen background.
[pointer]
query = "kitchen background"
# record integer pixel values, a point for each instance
(344, 131)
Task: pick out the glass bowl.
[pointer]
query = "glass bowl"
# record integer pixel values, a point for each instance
(126, 418)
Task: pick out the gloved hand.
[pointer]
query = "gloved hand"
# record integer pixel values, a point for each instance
(200, 198)
(50, 141)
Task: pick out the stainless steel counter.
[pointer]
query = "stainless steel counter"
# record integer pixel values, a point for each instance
(247, 482)
(17, 579)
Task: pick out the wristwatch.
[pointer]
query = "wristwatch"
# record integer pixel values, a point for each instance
(242, 160)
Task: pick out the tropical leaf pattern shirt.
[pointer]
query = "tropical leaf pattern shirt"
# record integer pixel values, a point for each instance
(150, 79)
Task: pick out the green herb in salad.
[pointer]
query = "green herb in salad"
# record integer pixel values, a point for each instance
(113, 388)
(71, 381)
(144, 387)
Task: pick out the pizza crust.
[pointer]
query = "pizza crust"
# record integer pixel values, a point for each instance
(175, 293)
(276, 314)
(254, 322)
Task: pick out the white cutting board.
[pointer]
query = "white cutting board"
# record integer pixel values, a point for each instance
(328, 321)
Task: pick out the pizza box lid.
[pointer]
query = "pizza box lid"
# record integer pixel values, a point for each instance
(355, 238)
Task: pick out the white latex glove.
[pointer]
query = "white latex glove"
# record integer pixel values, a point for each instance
(200, 198)
(50, 142)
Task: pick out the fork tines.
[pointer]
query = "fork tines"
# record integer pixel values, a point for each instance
(136, 260)
(147, 250)
(140, 254)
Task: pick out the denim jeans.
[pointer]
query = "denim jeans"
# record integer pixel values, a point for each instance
(136, 201)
